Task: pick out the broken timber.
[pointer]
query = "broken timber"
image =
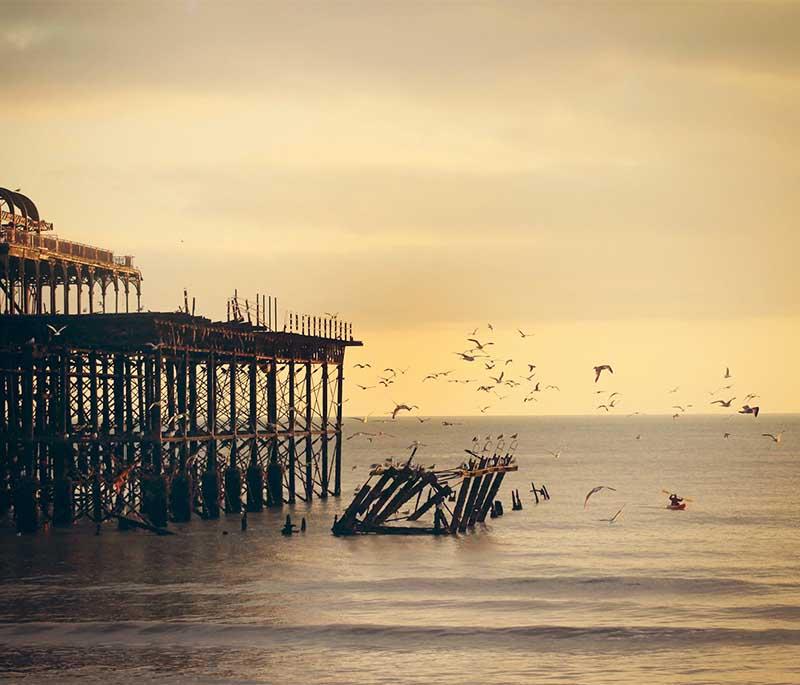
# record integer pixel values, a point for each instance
(376, 507)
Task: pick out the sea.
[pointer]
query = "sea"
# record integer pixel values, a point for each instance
(553, 593)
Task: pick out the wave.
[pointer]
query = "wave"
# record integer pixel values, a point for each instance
(133, 634)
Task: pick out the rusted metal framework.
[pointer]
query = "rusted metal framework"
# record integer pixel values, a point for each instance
(45, 274)
(378, 507)
(149, 417)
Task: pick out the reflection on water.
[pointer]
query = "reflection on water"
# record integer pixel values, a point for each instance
(549, 594)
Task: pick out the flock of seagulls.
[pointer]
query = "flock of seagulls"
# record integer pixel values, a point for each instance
(497, 378)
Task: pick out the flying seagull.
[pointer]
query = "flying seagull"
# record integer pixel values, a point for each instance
(402, 407)
(723, 403)
(727, 373)
(524, 335)
(478, 344)
(774, 438)
(332, 315)
(55, 331)
(599, 369)
(362, 366)
(747, 409)
(615, 516)
(595, 489)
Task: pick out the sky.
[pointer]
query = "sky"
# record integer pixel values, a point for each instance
(619, 179)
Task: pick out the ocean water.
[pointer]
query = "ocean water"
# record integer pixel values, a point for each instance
(550, 594)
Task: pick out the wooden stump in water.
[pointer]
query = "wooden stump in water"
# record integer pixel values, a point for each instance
(210, 488)
(25, 509)
(63, 510)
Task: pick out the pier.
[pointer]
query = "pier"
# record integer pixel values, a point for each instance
(151, 417)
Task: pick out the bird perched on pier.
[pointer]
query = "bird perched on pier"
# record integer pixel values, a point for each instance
(747, 409)
(723, 403)
(599, 369)
(594, 490)
(775, 438)
(402, 407)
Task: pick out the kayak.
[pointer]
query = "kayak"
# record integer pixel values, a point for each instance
(677, 507)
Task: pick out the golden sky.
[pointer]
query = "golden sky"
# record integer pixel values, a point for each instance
(619, 178)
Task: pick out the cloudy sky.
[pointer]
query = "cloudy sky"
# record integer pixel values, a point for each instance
(620, 178)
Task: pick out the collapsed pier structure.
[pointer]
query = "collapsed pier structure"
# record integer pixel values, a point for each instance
(403, 493)
(151, 416)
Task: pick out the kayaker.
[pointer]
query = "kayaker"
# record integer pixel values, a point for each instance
(674, 500)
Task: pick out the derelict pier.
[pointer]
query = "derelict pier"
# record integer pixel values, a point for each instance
(145, 416)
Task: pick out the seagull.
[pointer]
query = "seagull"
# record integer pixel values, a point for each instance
(489, 365)
(154, 346)
(531, 367)
(483, 409)
(332, 315)
(430, 377)
(56, 331)
(365, 419)
(747, 409)
(727, 373)
(675, 389)
(775, 438)
(525, 335)
(490, 327)
(484, 388)
(498, 379)
(362, 366)
(365, 387)
(599, 369)
(450, 423)
(402, 407)
(393, 372)
(478, 345)
(551, 387)
(602, 406)
(359, 433)
(422, 420)
(466, 357)
(723, 403)
(595, 489)
(677, 406)
(612, 395)
(556, 454)
(750, 396)
(726, 435)
(157, 403)
(614, 517)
